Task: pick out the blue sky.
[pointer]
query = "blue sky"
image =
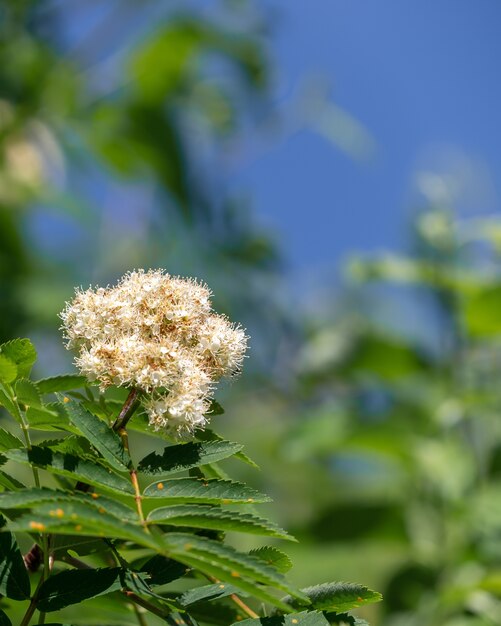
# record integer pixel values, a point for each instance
(423, 79)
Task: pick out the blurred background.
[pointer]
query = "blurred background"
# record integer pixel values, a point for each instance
(331, 170)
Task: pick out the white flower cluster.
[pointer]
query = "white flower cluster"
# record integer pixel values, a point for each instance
(157, 333)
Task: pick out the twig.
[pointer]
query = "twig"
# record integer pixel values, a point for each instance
(130, 405)
(236, 599)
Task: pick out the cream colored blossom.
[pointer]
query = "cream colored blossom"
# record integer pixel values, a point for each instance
(157, 333)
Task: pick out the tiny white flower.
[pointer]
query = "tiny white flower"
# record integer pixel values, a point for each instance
(157, 333)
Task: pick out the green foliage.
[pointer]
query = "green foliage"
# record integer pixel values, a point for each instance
(106, 509)
(338, 597)
(14, 580)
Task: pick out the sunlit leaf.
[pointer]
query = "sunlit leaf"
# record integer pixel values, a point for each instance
(101, 436)
(8, 370)
(194, 490)
(199, 516)
(21, 352)
(72, 467)
(65, 382)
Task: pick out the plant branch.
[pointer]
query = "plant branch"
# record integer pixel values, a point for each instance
(32, 606)
(130, 405)
(237, 600)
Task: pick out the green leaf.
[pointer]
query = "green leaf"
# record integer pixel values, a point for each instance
(51, 417)
(215, 408)
(4, 620)
(74, 586)
(101, 436)
(8, 369)
(184, 456)
(84, 519)
(207, 593)
(8, 441)
(9, 405)
(199, 516)
(195, 490)
(72, 467)
(66, 382)
(9, 482)
(310, 618)
(226, 564)
(14, 579)
(337, 597)
(27, 498)
(21, 352)
(273, 556)
(162, 570)
(27, 393)
(210, 435)
(344, 619)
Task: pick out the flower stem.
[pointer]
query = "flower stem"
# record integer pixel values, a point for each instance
(130, 405)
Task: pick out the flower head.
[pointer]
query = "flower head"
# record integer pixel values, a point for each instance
(157, 333)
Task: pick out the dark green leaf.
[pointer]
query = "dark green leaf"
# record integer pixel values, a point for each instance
(27, 498)
(81, 518)
(310, 618)
(65, 382)
(101, 436)
(194, 490)
(162, 570)
(273, 556)
(72, 467)
(199, 516)
(187, 455)
(74, 586)
(344, 619)
(208, 592)
(21, 352)
(14, 580)
(4, 620)
(338, 597)
(226, 564)
(9, 482)
(8, 369)
(8, 441)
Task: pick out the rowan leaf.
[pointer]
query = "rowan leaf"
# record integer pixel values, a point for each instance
(72, 467)
(200, 516)
(226, 564)
(65, 382)
(74, 586)
(273, 556)
(184, 456)
(197, 490)
(306, 618)
(8, 369)
(101, 436)
(8, 441)
(207, 593)
(337, 596)
(14, 580)
(22, 353)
